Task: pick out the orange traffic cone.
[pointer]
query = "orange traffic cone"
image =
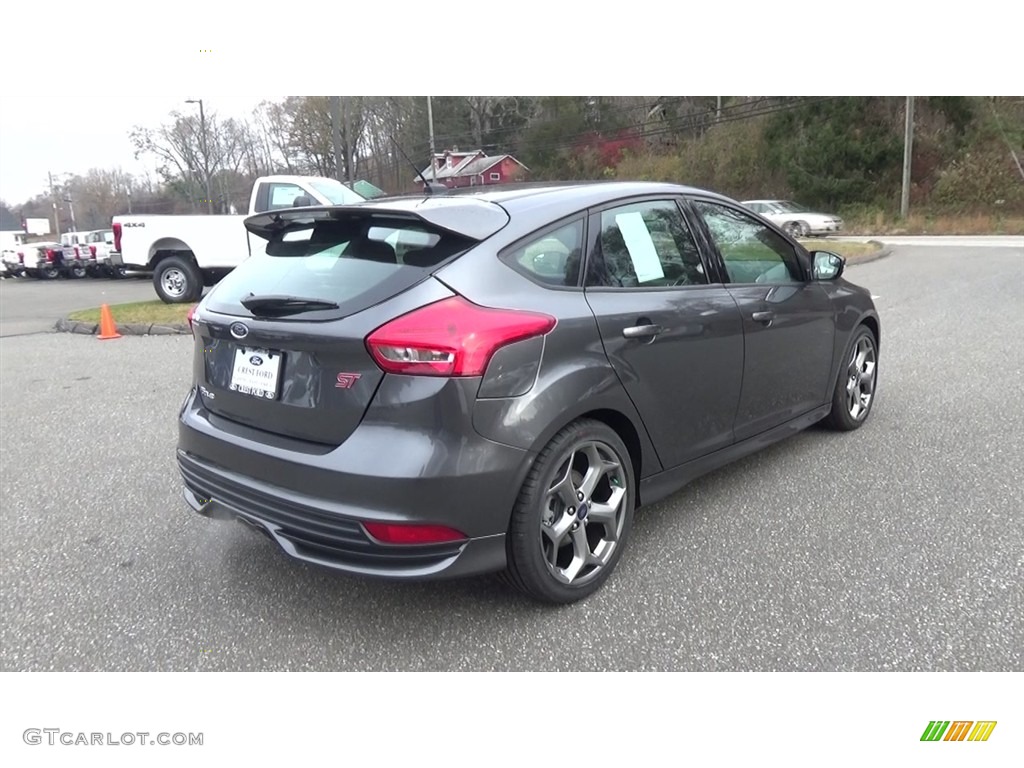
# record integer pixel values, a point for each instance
(107, 328)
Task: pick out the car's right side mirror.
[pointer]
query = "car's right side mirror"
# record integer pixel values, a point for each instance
(827, 265)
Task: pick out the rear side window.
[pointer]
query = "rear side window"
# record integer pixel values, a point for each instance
(552, 258)
(354, 262)
(645, 245)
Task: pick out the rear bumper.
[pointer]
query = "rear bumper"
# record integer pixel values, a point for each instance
(313, 503)
(310, 533)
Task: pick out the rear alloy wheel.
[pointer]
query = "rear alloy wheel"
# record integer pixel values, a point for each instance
(573, 516)
(77, 271)
(856, 384)
(795, 229)
(177, 281)
(49, 273)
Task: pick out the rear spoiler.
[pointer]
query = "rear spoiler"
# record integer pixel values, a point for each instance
(468, 217)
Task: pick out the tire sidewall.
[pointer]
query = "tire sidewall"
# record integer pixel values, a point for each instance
(195, 284)
(846, 421)
(524, 545)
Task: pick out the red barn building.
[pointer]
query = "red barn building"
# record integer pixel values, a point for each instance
(473, 169)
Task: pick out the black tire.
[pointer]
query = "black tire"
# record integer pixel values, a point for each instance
(76, 271)
(49, 273)
(533, 557)
(795, 229)
(842, 416)
(177, 280)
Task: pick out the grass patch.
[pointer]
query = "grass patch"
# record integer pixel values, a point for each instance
(850, 251)
(879, 223)
(140, 312)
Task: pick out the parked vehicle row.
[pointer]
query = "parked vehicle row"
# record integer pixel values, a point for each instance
(186, 253)
(77, 255)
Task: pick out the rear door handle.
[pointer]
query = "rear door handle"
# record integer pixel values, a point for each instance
(642, 331)
(763, 317)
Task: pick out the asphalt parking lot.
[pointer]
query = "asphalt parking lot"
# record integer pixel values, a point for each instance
(897, 547)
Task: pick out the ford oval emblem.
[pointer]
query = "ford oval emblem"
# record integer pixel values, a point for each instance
(256, 360)
(239, 330)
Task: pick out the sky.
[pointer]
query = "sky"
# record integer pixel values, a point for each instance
(67, 117)
(97, 137)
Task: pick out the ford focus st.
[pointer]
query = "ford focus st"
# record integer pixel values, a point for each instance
(440, 386)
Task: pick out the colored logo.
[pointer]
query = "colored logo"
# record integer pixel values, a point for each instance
(346, 380)
(958, 730)
(256, 360)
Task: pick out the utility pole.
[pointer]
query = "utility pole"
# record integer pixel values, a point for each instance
(56, 208)
(71, 206)
(336, 136)
(718, 108)
(430, 124)
(908, 149)
(206, 152)
(349, 153)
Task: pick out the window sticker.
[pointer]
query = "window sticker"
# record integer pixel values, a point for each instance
(641, 248)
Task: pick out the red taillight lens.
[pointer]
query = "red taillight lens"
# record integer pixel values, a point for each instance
(452, 337)
(92, 251)
(78, 254)
(49, 254)
(21, 257)
(191, 316)
(391, 533)
(117, 236)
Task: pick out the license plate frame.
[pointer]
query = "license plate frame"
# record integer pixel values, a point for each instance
(248, 377)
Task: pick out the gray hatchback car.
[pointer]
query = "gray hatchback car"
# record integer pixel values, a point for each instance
(439, 386)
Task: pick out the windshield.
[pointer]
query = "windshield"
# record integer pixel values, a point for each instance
(352, 262)
(336, 192)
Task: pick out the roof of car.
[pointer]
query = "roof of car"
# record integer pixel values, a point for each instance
(557, 198)
(479, 212)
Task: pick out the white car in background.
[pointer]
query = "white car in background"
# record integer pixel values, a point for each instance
(797, 220)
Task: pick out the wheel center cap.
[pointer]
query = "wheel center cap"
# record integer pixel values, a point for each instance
(582, 510)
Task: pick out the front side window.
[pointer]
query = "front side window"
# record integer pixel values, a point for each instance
(645, 245)
(752, 252)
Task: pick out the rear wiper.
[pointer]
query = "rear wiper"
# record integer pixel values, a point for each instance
(284, 305)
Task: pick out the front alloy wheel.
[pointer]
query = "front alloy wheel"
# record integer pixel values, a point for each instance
(857, 383)
(573, 515)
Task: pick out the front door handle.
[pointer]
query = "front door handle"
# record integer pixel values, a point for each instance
(642, 331)
(763, 317)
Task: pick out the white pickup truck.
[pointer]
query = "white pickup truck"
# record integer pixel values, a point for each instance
(186, 253)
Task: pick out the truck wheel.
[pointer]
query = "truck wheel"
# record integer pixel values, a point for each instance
(77, 271)
(49, 273)
(177, 281)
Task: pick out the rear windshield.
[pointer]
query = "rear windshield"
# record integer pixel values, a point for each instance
(354, 262)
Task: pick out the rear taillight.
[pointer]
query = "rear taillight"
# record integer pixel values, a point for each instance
(405, 533)
(92, 251)
(191, 317)
(49, 254)
(21, 257)
(452, 337)
(78, 253)
(117, 236)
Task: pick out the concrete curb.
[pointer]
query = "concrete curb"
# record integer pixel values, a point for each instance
(881, 253)
(64, 325)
